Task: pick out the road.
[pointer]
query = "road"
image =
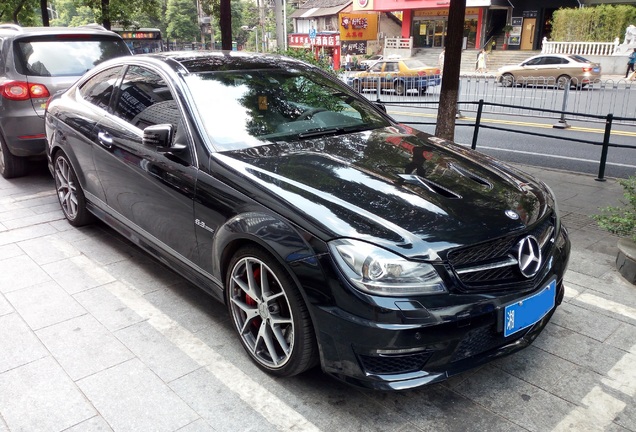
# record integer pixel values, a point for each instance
(521, 146)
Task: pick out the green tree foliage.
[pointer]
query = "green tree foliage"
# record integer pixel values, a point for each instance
(182, 19)
(602, 23)
(124, 13)
(23, 12)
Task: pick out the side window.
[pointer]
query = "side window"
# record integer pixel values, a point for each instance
(99, 89)
(376, 67)
(391, 67)
(145, 99)
(533, 62)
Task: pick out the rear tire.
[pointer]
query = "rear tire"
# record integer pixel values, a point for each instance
(69, 192)
(11, 166)
(269, 314)
(400, 88)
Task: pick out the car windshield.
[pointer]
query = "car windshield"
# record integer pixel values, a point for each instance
(414, 64)
(248, 108)
(63, 55)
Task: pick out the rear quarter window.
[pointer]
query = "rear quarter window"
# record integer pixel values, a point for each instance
(65, 55)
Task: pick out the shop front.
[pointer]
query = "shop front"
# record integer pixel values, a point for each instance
(322, 45)
(356, 31)
(430, 25)
(426, 21)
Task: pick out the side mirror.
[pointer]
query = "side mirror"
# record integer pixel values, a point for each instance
(160, 137)
(380, 106)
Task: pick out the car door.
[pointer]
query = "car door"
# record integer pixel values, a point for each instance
(77, 126)
(149, 191)
(372, 76)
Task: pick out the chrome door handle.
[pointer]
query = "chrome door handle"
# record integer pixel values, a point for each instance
(105, 139)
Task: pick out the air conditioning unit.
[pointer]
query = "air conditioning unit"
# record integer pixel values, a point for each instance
(204, 20)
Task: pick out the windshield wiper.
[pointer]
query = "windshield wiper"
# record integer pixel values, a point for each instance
(319, 132)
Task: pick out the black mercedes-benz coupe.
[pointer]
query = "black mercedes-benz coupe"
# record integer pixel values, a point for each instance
(334, 235)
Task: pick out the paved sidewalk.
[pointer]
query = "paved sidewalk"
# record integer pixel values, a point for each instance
(95, 335)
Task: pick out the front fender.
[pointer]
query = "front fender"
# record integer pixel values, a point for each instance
(295, 249)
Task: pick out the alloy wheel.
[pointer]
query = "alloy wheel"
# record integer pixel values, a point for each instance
(261, 311)
(66, 189)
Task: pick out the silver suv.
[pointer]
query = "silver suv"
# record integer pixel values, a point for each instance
(35, 63)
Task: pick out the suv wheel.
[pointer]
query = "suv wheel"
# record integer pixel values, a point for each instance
(10, 165)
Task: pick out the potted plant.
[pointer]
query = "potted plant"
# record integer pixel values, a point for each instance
(622, 222)
(506, 29)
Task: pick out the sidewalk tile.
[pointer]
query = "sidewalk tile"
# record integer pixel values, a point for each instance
(39, 396)
(78, 274)
(585, 322)
(10, 251)
(93, 424)
(26, 233)
(578, 349)
(83, 346)
(131, 398)
(159, 354)
(48, 249)
(19, 345)
(20, 272)
(143, 274)
(525, 404)
(107, 308)
(44, 305)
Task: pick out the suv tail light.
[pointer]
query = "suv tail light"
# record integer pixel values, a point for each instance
(21, 91)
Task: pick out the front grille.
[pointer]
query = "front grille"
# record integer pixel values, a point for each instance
(394, 363)
(480, 340)
(493, 265)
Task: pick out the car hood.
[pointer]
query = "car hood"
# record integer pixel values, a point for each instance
(405, 190)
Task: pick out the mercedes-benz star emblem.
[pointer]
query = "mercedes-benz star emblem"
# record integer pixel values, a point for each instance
(512, 214)
(529, 256)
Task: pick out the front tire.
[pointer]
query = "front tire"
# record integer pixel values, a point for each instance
(69, 192)
(563, 81)
(507, 80)
(269, 314)
(11, 166)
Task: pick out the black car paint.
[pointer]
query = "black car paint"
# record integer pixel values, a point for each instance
(193, 211)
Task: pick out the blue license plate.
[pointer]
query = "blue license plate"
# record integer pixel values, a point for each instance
(524, 313)
(596, 69)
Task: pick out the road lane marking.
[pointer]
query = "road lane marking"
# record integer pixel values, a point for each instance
(265, 403)
(519, 123)
(599, 412)
(554, 156)
(602, 303)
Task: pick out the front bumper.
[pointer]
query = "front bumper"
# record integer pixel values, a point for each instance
(430, 343)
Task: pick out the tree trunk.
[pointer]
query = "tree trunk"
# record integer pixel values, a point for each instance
(45, 12)
(106, 14)
(17, 10)
(452, 60)
(225, 21)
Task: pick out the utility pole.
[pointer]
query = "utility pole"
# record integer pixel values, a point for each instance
(279, 12)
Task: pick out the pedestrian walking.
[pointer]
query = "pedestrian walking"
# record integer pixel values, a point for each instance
(630, 63)
(348, 62)
(440, 61)
(481, 62)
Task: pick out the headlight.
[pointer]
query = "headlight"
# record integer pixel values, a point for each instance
(378, 271)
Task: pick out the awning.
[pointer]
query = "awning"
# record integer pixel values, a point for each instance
(317, 12)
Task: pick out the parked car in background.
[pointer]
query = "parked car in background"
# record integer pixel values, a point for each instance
(333, 234)
(36, 62)
(560, 70)
(399, 76)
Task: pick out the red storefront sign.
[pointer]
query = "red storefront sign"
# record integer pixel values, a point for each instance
(301, 40)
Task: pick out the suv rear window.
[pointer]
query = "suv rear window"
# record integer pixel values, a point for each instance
(65, 55)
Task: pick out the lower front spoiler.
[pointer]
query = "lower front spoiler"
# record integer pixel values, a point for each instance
(424, 377)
